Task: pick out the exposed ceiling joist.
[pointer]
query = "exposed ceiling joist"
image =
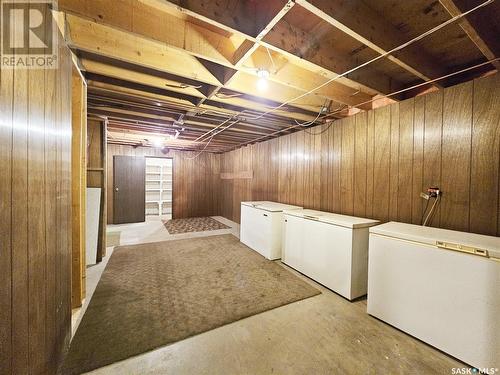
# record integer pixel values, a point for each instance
(370, 29)
(452, 8)
(217, 14)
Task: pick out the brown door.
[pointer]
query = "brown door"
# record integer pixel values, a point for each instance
(129, 196)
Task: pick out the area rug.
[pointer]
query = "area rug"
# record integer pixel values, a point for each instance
(193, 224)
(158, 293)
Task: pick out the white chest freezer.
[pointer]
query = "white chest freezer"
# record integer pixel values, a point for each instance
(260, 227)
(440, 286)
(329, 248)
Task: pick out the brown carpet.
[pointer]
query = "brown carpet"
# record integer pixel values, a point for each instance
(154, 294)
(193, 224)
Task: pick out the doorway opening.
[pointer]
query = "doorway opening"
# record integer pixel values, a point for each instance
(159, 188)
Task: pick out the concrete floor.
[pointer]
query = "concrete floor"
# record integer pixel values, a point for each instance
(325, 334)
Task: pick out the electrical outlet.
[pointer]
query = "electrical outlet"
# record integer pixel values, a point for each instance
(433, 192)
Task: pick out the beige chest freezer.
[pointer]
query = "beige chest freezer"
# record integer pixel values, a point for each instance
(329, 248)
(260, 226)
(440, 286)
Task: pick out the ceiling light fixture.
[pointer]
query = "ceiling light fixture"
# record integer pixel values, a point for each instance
(263, 75)
(158, 142)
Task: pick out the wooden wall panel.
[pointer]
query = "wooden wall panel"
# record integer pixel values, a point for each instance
(433, 134)
(315, 158)
(456, 156)
(300, 168)
(6, 122)
(360, 163)
(35, 212)
(347, 166)
(405, 161)
(35, 225)
(78, 184)
(336, 164)
(484, 190)
(284, 168)
(375, 164)
(394, 163)
(381, 167)
(370, 161)
(197, 187)
(325, 161)
(20, 277)
(418, 159)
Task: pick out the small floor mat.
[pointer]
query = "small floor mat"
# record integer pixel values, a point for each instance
(193, 224)
(154, 294)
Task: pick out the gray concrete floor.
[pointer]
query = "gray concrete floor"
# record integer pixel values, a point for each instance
(325, 334)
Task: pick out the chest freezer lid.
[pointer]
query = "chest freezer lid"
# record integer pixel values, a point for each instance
(270, 206)
(335, 219)
(445, 238)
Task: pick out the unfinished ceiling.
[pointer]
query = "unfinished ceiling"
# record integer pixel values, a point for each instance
(191, 72)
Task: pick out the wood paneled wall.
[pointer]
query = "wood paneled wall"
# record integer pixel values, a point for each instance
(195, 181)
(35, 217)
(78, 186)
(375, 164)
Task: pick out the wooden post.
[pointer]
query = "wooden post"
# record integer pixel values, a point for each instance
(78, 186)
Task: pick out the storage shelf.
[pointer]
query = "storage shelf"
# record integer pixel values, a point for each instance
(158, 181)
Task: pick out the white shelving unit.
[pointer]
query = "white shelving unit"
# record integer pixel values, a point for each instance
(158, 186)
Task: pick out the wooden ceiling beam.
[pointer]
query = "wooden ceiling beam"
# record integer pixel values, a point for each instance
(188, 121)
(111, 71)
(372, 30)
(452, 8)
(306, 48)
(105, 40)
(140, 87)
(160, 124)
(299, 78)
(272, 38)
(137, 46)
(227, 107)
(140, 18)
(246, 49)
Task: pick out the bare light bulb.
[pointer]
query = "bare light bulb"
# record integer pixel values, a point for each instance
(262, 84)
(157, 142)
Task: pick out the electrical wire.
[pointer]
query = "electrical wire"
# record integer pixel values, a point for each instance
(272, 60)
(428, 219)
(307, 123)
(424, 211)
(210, 140)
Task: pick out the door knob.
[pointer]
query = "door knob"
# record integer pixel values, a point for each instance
(116, 189)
